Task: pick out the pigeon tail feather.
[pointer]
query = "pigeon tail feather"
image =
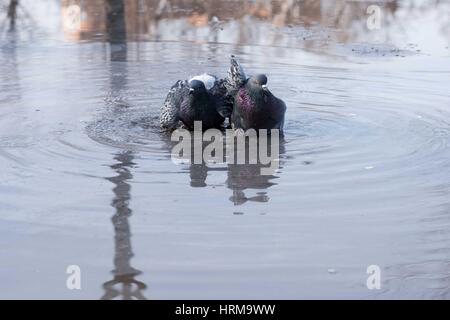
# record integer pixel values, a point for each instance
(236, 76)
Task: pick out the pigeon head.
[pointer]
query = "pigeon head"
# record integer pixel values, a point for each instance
(258, 81)
(196, 87)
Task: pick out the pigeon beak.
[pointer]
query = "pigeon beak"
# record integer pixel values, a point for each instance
(191, 90)
(264, 86)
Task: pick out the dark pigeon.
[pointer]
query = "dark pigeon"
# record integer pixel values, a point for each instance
(202, 98)
(254, 106)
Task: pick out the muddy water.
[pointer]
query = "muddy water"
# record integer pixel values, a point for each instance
(87, 178)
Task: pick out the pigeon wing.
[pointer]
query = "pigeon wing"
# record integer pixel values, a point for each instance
(170, 110)
(224, 105)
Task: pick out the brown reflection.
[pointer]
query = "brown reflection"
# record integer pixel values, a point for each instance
(242, 22)
(83, 19)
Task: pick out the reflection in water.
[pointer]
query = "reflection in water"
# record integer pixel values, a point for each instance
(198, 174)
(297, 23)
(9, 70)
(248, 176)
(124, 273)
(11, 16)
(239, 20)
(12, 13)
(116, 30)
(115, 18)
(240, 177)
(16, 13)
(124, 284)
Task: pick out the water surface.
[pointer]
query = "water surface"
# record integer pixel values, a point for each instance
(87, 177)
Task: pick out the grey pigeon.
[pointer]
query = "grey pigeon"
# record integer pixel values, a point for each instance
(254, 106)
(201, 98)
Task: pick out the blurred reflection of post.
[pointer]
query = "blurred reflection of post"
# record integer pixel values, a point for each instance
(117, 38)
(9, 74)
(14, 16)
(12, 13)
(124, 283)
(116, 29)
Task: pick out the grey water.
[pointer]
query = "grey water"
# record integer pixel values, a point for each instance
(86, 176)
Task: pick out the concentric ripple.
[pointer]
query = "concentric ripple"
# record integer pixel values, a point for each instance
(363, 177)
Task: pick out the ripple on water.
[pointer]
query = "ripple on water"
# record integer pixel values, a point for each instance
(357, 142)
(130, 129)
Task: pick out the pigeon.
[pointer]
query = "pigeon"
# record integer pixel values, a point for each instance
(201, 98)
(253, 105)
